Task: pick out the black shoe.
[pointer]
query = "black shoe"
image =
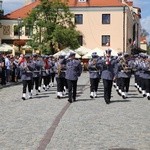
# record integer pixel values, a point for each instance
(23, 98)
(58, 96)
(91, 96)
(148, 97)
(119, 93)
(124, 97)
(144, 95)
(139, 91)
(39, 91)
(107, 102)
(74, 100)
(70, 101)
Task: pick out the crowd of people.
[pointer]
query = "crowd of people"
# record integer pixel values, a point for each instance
(36, 72)
(9, 71)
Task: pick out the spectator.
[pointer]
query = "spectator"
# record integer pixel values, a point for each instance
(2, 70)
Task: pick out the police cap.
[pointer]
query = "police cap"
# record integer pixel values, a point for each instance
(94, 55)
(27, 56)
(61, 56)
(108, 51)
(72, 54)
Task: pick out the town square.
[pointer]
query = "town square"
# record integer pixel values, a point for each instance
(74, 75)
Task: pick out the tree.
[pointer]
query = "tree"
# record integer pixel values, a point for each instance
(52, 26)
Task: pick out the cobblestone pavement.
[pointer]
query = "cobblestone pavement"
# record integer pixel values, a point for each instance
(88, 124)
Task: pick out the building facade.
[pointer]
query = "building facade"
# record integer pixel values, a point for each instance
(104, 24)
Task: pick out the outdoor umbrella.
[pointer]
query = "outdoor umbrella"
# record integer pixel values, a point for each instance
(6, 48)
(82, 50)
(99, 52)
(26, 47)
(66, 51)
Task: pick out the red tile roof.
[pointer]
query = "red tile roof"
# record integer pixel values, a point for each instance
(22, 12)
(75, 3)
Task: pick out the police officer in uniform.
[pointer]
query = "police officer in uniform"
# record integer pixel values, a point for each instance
(124, 72)
(108, 75)
(36, 73)
(94, 71)
(45, 72)
(60, 69)
(145, 84)
(52, 71)
(26, 76)
(73, 71)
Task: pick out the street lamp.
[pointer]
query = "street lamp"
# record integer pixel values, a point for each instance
(1, 10)
(19, 23)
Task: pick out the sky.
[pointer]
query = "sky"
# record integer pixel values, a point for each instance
(11, 5)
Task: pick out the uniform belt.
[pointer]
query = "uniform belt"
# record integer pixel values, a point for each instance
(94, 71)
(36, 71)
(126, 71)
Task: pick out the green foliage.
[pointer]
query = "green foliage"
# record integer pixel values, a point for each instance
(66, 37)
(52, 25)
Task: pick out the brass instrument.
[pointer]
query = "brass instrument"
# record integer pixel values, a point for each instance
(124, 65)
(59, 67)
(94, 62)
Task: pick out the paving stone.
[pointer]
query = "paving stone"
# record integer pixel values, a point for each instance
(88, 124)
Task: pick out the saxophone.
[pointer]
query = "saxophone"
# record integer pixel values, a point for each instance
(59, 67)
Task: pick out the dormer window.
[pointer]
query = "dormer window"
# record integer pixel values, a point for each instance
(82, 0)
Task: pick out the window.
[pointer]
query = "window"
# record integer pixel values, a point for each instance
(80, 39)
(82, 0)
(105, 18)
(78, 19)
(105, 40)
(16, 30)
(28, 31)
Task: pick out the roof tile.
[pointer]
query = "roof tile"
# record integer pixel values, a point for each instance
(23, 12)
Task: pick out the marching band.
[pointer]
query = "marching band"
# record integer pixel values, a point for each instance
(36, 71)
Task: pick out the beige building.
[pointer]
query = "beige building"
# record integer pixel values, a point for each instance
(143, 43)
(104, 24)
